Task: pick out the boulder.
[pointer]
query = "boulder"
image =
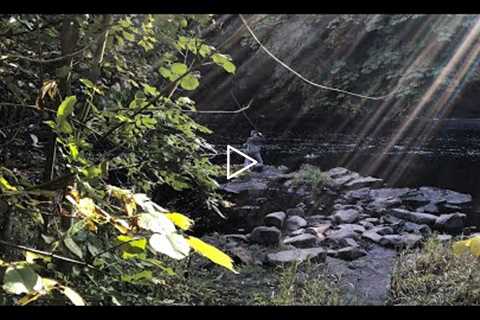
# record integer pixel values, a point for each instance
(298, 211)
(350, 253)
(346, 231)
(382, 230)
(411, 227)
(317, 220)
(429, 208)
(359, 194)
(417, 217)
(275, 219)
(337, 172)
(372, 236)
(266, 235)
(367, 225)
(305, 240)
(346, 216)
(349, 242)
(296, 255)
(363, 182)
(401, 241)
(452, 223)
(295, 222)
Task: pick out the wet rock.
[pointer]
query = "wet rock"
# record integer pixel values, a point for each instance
(388, 193)
(367, 225)
(349, 242)
(305, 240)
(359, 194)
(391, 220)
(296, 255)
(337, 172)
(275, 219)
(415, 199)
(346, 216)
(350, 253)
(373, 220)
(298, 211)
(372, 236)
(382, 230)
(437, 195)
(429, 208)
(266, 235)
(346, 231)
(417, 217)
(295, 222)
(296, 232)
(452, 223)
(411, 227)
(363, 182)
(401, 241)
(316, 220)
(380, 205)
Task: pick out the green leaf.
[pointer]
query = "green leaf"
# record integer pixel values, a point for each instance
(189, 82)
(147, 89)
(73, 296)
(129, 36)
(73, 247)
(66, 107)
(20, 279)
(133, 248)
(73, 150)
(165, 72)
(204, 50)
(229, 67)
(179, 68)
(139, 277)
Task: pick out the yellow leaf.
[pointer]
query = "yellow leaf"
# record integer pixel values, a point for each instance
(130, 205)
(212, 253)
(73, 296)
(181, 221)
(29, 298)
(86, 206)
(6, 185)
(475, 246)
(120, 225)
(460, 247)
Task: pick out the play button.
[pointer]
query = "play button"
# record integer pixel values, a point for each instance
(233, 175)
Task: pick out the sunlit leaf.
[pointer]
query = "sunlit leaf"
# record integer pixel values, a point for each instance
(181, 221)
(189, 82)
(20, 279)
(73, 247)
(173, 245)
(155, 222)
(179, 68)
(73, 296)
(66, 107)
(212, 253)
(6, 185)
(139, 277)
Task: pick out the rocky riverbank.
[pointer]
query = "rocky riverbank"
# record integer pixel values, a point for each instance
(355, 225)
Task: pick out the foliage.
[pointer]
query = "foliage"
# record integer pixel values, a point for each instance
(434, 275)
(116, 104)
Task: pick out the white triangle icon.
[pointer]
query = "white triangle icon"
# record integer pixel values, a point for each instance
(233, 175)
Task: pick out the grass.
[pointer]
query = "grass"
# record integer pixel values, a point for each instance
(432, 275)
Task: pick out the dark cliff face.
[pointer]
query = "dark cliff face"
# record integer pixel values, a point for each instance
(429, 62)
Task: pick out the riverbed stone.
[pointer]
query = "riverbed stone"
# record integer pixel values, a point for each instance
(266, 235)
(297, 211)
(296, 255)
(305, 240)
(452, 223)
(346, 231)
(410, 227)
(295, 222)
(350, 253)
(316, 220)
(401, 240)
(346, 216)
(416, 217)
(275, 219)
(372, 236)
(382, 230)
(363, 182)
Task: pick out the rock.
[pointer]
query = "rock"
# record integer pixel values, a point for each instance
(393, 221)
(295, 222)
(296, 232)
(382, 230)
(346, 216)
(275, 219)
(401, 241)
(316, 220)
(296, 255)
(302, 241)
(417, 217)
(380, 205)
(363, 182)
(415, 199)
(437, 195)
(266, 235)
(241, 255)
(373, 220)
(337, 172)
(388, 193)
(444, 237)
(372, 236)
(358, 194)
(346, 231)
(452, 223)
(411, 227)
(429, 208)
(239, 187)
(298, 211)
(367, 225)
(341, 181)
(237, 237)
(368, 283)
(349, 242)
(319, 229)
(350, 253)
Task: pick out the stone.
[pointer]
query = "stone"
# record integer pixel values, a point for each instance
(363, 182)
(380, 205)
(349, 242)
(350, 253)
(341, 181)
(444, 237)
(367, 225)
(316, 220)
(337, 172)
(437, 195)
(388, 193)
(242, 255)
(296, 255)
(346, 216)
(373, 220)
(275, 219)
(346, 231)
(411, 227)
(239, 187)
(372, 236)
(266, 235)
(298, 211)
(302, 241)
(391, 220)
(296, 232)
(452, 223)
(319, 229)
(358, 194)
(417, 217)
(295, 222)
(237, 237)
(429, 208)
(401, 241)
(382, 230)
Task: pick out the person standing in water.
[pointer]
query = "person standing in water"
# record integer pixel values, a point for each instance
(253, 146)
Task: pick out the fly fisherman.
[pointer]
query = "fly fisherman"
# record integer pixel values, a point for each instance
(253, 146)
